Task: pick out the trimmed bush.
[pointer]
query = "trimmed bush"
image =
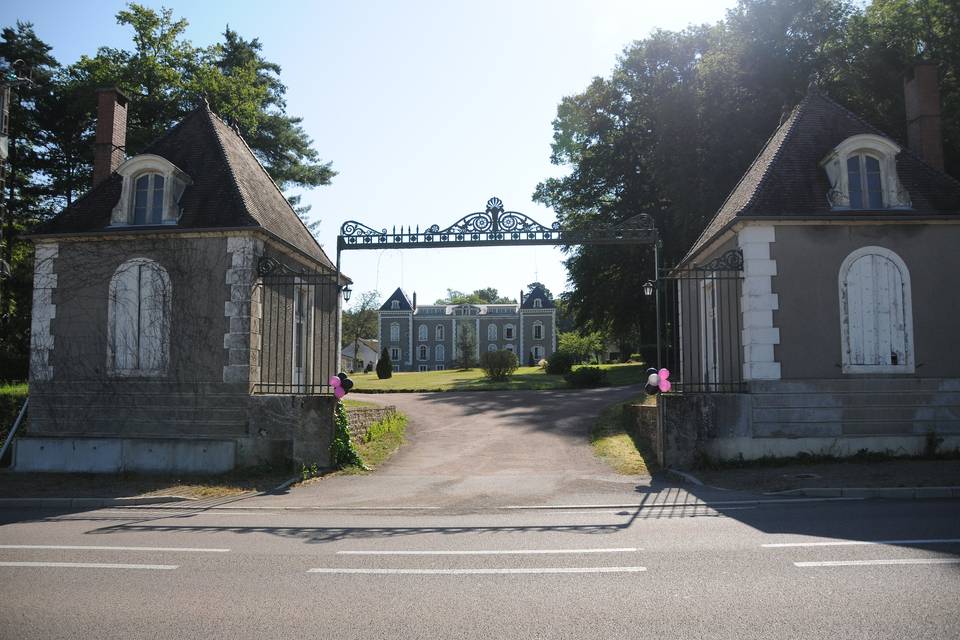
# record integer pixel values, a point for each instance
(560, 362)
(499, 365)
(384, 366)
(587, 377)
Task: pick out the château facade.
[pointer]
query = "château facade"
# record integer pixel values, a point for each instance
(424, 338)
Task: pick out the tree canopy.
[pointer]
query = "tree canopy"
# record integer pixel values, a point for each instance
(683, 114)
(479, 296)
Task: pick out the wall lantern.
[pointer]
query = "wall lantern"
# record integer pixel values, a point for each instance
(346, 290)
(648, 287)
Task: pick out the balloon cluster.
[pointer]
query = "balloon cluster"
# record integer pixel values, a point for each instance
(657, 381)
(341, 384)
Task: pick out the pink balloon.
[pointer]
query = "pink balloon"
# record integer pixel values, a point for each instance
(665, 385)
(335, 382)
(339, 392)
(664, 374)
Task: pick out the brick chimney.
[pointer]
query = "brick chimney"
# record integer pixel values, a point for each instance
(111, 139)
(414, 300)
(921, 91)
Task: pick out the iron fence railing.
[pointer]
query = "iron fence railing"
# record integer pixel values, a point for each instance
(702, 325)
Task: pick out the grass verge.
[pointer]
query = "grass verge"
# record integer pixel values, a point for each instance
(618, 447)
(382, 440)
(524, 379)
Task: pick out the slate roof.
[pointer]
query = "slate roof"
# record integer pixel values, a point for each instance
(230, 189)
(397, 295)
(786, 178)
(537, 293)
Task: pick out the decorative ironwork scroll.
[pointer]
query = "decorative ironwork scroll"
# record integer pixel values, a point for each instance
(494, 227)
(732, 260)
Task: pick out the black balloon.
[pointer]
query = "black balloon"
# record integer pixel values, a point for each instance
(651, 390)
(342, 376)
(347, 384)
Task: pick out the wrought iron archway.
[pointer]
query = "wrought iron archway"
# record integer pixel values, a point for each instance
(497, 227)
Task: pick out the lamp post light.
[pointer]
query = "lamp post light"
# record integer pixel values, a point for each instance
(347, 291)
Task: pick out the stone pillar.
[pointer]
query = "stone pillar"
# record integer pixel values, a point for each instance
(757, 304)
(44, 310)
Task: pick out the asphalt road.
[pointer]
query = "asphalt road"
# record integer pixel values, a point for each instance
(662, 571)
(496, 521)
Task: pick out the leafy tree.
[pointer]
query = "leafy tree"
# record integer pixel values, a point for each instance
(26, 194)
(533, 285)
(384, 365)
(479, 296)
(466, 347)
(583, 347)
(360, 321)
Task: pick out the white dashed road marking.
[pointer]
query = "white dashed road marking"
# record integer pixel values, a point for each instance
(867, 563)
(70, 547)
(855, 543)
(91, 565)
(460, 572)
(491, 552)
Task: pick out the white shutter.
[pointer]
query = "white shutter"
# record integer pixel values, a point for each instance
(126, 317)
(154, 303)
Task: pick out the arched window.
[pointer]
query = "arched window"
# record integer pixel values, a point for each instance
(538, 331)
(422, 333)
(395, 332)
(440, 353)
(394, 304)
(138, 319)
(537, 303)
(148, 199)
(491, 347)
(508, 332)
(422, 352)
(876, 313)
(537, 353)
(863, 177)
(510, 348)
(491, 331)
(439, 332)
(395, 354)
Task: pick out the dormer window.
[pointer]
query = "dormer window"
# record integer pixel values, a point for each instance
(148, 199)
(537, 303)
(863, 175)
(152, 187)
(394, 304)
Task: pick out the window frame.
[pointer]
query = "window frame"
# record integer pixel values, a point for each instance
(423, 334)
(395, 355)
(907, 367)
(508, 332)
(423, 353)
(164, 322)
(439, 332)
(538, 325)
(175, 183)
(394, 332)
(439, 353)
(892, 193)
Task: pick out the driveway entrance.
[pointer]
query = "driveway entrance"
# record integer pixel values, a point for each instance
(486, 449)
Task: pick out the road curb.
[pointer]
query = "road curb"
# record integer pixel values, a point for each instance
(72, 503)
(902, 493)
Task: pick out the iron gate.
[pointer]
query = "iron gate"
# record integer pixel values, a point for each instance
(298, 348)
(702, 325)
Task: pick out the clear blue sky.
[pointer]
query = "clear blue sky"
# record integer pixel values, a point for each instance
(426, 109)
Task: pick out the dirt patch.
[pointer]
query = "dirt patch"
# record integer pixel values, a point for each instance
(892, 473)
(75, 485)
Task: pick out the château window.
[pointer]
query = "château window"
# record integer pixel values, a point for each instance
(394, 304)
(422, 333)
(538, 331)
(491, 347)
(439, 332)
(395, 332)
(862, 171)
(422, 352)
(510, 348)
(508, 332)
(441, 353)
(395, 355)
(138, 316)
(151, 191)
(537, 303)
(491, 332)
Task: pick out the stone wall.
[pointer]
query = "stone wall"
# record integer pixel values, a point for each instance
(642, 422)
(361, 418)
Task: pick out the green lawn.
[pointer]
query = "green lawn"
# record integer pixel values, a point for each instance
(525, 378)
